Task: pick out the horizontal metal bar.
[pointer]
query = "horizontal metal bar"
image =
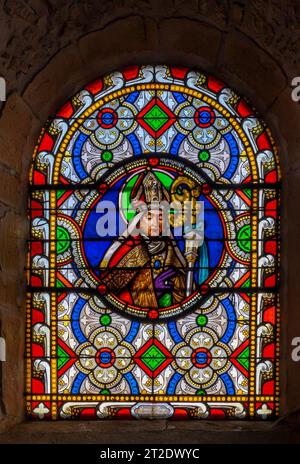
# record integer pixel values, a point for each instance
(210, 290)
(95, 185)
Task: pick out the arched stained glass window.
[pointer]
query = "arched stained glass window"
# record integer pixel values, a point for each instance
(122, 320)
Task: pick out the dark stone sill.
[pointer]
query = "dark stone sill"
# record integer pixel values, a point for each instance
(151, 431)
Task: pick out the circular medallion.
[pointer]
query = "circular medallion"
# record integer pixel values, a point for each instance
(160, 255)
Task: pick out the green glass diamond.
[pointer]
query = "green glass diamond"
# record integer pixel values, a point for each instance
(156, 117)
(153, 358)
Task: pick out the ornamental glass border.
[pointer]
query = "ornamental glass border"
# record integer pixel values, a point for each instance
(96, 354)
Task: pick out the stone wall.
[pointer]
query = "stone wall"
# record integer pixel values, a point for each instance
(48, 50)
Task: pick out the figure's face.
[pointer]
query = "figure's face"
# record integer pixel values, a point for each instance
(151, 223)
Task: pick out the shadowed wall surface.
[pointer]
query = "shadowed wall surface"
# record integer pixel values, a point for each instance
(49, 50)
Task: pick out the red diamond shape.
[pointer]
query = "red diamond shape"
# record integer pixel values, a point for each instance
(147, 361)
(146, 111)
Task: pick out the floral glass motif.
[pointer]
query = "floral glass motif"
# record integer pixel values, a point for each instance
(112, 331)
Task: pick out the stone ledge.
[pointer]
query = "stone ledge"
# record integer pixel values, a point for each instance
(152, 431)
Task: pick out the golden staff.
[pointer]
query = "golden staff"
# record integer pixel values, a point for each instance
(185, 191)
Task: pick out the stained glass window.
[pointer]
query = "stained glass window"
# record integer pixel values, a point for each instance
(134, 325)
